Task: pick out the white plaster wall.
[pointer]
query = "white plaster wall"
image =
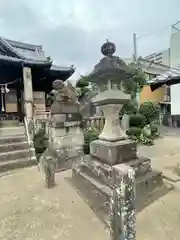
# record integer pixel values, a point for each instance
(175, 49)
(175, 99)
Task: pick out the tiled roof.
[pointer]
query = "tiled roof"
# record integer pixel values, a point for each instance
(62, 68)
(29, 51)
(169, 77)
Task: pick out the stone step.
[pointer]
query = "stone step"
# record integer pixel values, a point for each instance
(13, 155)
(97, 195)
(92, 191)
(14, 164)
(13, 139)
(4, 123)
(148, 182)
(9, 131)
(144, 184)
(13, 146)
(102, 172)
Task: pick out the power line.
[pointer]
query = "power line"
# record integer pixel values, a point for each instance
(158, 30)
(154, 32)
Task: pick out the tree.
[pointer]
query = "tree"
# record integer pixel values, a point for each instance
(150, 110)
(82, 86)
(136, 83)
(132, 86)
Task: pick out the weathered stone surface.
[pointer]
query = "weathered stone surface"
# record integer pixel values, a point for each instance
(64, 98)
(14, 149)
(113, 152)
(57, 108)
(122, 204)
(102, 172)
(98, 194)
(49, 170)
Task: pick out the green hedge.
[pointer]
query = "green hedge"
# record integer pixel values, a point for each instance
(150, 110)
(154, 128)
(137, 120)
(40, 142)
(134, 131)
(89, 136)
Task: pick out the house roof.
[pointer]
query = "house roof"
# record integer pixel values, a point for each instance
(27, 50)
(170, 77)
(17, 54)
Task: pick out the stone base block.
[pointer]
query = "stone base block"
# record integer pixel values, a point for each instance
(102, 172)
(113, 152)
(97, 194)
(67, 108)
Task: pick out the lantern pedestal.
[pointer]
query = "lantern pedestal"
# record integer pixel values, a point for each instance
(112, 130)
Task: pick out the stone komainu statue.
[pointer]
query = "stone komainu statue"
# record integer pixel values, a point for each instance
(63, 94)
(48, 166)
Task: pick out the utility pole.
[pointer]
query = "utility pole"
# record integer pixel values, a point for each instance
(135, 62)
(134, 47)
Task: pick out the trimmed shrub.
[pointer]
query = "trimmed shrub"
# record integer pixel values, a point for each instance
(89, 136)
(150, 110)
(40, 142)
(137, 120)
(128, 108)
(134, 131)
(154, 128)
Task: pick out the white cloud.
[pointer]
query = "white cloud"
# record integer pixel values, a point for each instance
(72, 31)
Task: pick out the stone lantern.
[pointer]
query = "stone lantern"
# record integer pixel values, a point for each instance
(111, 72)
(113, 149)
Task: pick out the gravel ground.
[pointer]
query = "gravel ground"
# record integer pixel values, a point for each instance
(31, 212)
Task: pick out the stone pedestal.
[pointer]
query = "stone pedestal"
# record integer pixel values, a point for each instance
(93, 176)
(66, 138)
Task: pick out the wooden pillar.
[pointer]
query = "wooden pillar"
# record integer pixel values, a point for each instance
(28, 93)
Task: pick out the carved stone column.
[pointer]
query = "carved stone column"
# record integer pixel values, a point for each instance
(112, 130)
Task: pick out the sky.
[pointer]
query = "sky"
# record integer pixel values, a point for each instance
(72, 31)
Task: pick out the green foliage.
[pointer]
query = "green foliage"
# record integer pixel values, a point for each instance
(89, 136)
(150, 110)
(82, 86)
(142, 139)
(40, 142)
(129, 108)
(137, 120)
(154, 130)
(138, 135)
(134, 131)
(82, 82)
(136, 83)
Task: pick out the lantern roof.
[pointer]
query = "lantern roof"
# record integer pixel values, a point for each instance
(110, 66)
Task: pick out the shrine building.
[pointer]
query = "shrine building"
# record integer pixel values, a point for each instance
(16, 56)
